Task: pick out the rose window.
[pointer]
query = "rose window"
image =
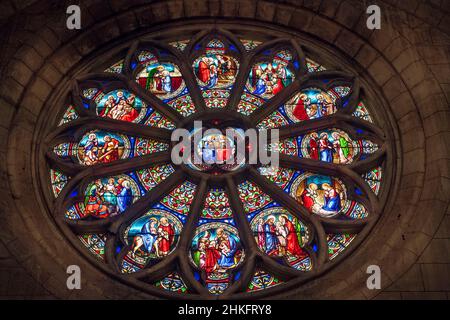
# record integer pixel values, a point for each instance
(214, 229)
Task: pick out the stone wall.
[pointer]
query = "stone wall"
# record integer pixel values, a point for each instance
(408, 59)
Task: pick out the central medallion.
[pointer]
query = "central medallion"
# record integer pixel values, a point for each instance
(215, 150)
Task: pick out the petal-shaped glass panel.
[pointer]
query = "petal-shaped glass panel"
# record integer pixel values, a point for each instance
(99, 146)
(110, 196)
(215, 72)
(154, 235)
(325, 196)
(322, 195)
(216, 250)
(277, 232)
(106, 197)
(266, 79)
(309, 103)
(331, 145)
(164, 80)
(125, 106)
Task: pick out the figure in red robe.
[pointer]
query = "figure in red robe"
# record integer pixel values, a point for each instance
(212, 257)
(278, 86)
(110, 151)
(166, 237)
(203, 70)
(292, 245)
(299, 110)
(130, 114)
(307, 199)
(313, 148)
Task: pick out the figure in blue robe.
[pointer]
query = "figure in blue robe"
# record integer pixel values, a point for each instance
(260, 86)
(227, 259)
(209, 154)
(326, 149)
(326, 155)
(212, 80)
(270, 237)
(124, 198)
(167, 83)
(149, 236)
(332, 204)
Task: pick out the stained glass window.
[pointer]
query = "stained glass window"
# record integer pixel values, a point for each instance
(216, 229)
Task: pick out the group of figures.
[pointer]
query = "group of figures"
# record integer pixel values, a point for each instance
(216, 148)
(268, 79)
(321, 195)
(216, 248)
(333, 146)
(310, 104)
(161, 79)
(120, 106)
(154, 235)
(109, 196)
(101, 147)
(215, 70)
(279, 234)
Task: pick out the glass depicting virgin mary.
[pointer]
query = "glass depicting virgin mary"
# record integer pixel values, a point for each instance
(216, 250)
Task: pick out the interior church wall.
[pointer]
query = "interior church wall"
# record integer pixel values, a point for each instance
(408, 60)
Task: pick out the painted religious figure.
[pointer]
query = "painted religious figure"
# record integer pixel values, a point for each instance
(216, 148)
(215, 70)
(108, 197)
(121, 105)
(102, 147)
(319, 194)
(154, 235)
(162, 79)
(280, 234)
(332, 146)
(267, 79)
(216, 250)
(310, 103)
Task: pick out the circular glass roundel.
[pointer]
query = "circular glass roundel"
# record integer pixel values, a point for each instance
(215, 151)
(212, 226)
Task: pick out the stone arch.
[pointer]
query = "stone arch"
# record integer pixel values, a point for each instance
(408, 61)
